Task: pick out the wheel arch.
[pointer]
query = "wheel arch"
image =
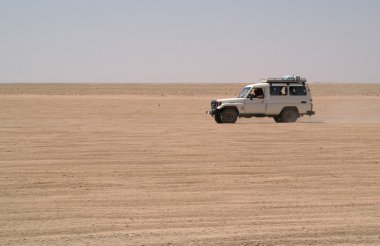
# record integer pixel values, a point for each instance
(290, 107)
(231, 107)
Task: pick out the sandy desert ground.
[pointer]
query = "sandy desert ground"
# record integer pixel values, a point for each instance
(125, 164)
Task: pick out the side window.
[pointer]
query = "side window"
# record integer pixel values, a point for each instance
(279, 90)
(256, 93)
(297, 90)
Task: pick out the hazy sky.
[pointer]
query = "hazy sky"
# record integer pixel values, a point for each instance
(188, 40)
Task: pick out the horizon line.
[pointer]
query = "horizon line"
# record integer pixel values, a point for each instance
(172, 82)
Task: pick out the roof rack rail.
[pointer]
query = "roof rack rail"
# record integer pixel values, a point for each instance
(285, 79)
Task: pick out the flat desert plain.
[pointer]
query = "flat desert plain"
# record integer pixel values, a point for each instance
(142, 164)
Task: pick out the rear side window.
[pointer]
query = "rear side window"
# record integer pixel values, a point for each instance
(279, 90)
(297, 90)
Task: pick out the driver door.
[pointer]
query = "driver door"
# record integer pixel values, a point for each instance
(254, 105)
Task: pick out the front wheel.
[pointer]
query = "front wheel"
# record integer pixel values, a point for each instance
(229, 116)
(218, 118)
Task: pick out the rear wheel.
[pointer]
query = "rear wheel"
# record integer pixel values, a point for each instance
(289, 115)
(229, 115)
(218, 118)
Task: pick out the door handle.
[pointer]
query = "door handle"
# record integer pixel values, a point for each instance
(303, 101)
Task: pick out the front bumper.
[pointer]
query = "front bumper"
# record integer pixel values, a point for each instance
(213, 112)
(214, 108)
(310, 113)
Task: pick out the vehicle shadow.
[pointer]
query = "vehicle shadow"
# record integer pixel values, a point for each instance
(311, 122)
(273, 123)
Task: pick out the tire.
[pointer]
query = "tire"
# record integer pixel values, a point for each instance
(229, 115)
(218, 118)
(289, 115)
(277, 118)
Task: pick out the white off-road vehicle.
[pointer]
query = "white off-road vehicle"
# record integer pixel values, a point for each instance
(284, 99)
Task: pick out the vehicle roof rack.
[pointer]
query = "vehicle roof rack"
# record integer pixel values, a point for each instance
(286, 79)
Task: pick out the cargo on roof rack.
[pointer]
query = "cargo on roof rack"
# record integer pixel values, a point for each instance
(285, 79)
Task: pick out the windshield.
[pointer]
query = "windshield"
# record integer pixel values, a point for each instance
(244, 92)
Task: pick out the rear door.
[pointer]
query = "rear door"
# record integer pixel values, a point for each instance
(299, 94)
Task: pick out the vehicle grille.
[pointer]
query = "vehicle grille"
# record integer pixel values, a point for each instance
(214, 104)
